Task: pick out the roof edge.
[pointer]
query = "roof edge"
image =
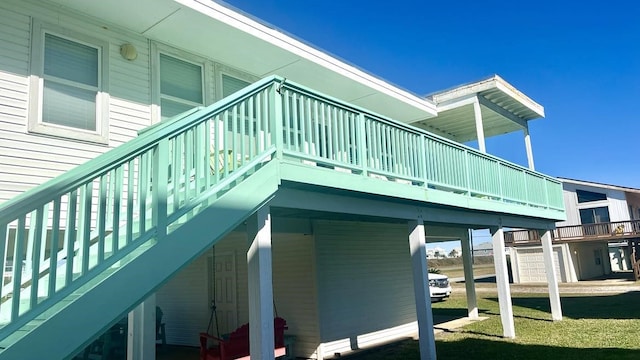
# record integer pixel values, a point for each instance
(599, 185)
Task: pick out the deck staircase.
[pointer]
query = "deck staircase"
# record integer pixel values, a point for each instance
(83, 249)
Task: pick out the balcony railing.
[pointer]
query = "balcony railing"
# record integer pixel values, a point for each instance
(60, 235)
(609, 231)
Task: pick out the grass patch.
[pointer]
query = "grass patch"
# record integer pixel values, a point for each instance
(458, 272)
(594, 327)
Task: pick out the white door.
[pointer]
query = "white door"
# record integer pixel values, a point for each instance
(224, 276)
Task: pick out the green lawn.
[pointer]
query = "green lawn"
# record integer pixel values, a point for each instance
(458, 271)
(594, 327)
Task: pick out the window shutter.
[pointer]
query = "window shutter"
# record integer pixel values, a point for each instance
(180, 79)
(71, 81)
(71, 61)
(230, 85)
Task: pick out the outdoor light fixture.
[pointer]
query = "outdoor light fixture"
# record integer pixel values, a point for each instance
(128, 52)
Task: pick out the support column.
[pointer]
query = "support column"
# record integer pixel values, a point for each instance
(141, 331)
(417, 240)
(552, 279)
(479, 126)
(261, 341)
(502, 282)
(527, 144)
(469, 283)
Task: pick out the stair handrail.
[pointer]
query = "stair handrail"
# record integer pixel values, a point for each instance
(71, 179)
(35, 202)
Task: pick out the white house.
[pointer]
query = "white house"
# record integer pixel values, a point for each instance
(175, 152)
(598, 237)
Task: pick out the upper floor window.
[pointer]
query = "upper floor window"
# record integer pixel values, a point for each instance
(232, 84)
(587, 196)
(594, 215)
(181, 86)
(68, 96)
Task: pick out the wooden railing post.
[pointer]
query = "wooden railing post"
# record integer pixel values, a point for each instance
(159, 187)
(276, 94)
(362, 148)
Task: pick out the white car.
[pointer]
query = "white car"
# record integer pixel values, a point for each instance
(439, 286)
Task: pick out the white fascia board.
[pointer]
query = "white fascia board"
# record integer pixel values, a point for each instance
(450, 104)
(599, 185)
(508, 89)
(494, 82)
(463, 91)
(232, 18)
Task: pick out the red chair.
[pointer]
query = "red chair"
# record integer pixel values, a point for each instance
(236, 346)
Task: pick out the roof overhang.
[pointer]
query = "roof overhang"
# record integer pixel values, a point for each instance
(504, 109)
(205, 27)
(600, 185)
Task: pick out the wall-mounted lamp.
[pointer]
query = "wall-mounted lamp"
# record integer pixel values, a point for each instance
(128, 52)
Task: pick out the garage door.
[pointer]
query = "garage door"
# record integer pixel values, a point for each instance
(531, 265)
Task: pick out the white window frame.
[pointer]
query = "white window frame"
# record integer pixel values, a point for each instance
(36, 96)
(157, 49)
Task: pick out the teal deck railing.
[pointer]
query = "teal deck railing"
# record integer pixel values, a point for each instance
(77, 225)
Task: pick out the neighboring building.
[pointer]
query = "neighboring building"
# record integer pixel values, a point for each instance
(483, 249)
(170, 153)
(598, 237)
(436, 253)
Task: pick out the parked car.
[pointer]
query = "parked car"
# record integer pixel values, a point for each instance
(439, 286)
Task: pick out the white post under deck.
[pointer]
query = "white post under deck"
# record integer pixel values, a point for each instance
(470, 286)
(141, 331)
(552, 279)
(417, 240)
(261, 337)
(527, 144)
(479, 126)
(502, 282)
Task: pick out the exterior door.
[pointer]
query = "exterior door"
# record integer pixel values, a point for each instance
(222, 272)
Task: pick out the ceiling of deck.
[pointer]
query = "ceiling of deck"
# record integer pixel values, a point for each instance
(504, 109)
(205, 27)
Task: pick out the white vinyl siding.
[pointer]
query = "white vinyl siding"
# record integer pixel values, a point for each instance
(366, 283)
(185, 298)
(294, 290)
(294, 286)
(69, 94)
(28, 159)
(616, 202)
(181, 86)
(184, 304)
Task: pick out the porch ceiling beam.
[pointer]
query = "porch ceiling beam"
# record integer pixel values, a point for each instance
(501, 111)
(447, 216)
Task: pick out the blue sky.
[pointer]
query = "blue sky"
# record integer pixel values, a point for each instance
(580, 60)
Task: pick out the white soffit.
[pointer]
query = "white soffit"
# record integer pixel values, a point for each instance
(504, 109)
(214, 30)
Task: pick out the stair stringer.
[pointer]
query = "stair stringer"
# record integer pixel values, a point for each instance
(71, 324)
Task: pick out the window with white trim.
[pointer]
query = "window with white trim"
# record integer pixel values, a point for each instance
(232, 84)
(181, 86)
(68, 96)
